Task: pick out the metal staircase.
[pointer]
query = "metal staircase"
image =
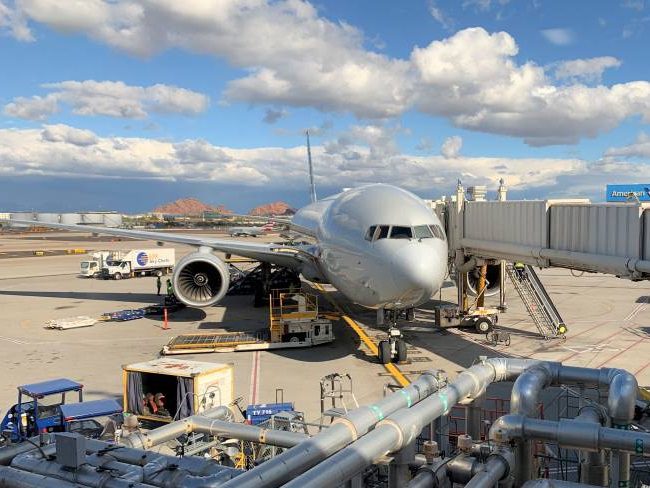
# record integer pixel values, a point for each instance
(537, 301)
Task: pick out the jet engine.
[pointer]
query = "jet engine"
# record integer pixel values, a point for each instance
(492, 280)
(200, 279)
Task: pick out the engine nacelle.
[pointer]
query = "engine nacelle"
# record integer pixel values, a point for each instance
(200, 279)
(492, 278)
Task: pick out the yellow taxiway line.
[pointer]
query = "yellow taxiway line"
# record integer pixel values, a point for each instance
(390, 367)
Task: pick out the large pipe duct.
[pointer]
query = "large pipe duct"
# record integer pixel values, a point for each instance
(496, 468)
(113, 466)
(210, 423)
(15, 478)
(342, 432)
(551, 483)
(593, 468)
(402, 427)
(570, 433)
(525, 399)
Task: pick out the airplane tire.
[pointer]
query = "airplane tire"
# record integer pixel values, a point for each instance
(384, 352)
(410, 315)
(402, 353)
(483, 325)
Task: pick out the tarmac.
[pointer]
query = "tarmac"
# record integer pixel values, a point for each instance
(608, 321)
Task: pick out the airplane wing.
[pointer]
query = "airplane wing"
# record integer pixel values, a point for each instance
(288, 256)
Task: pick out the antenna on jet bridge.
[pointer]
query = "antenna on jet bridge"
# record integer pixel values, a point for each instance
(312, 186)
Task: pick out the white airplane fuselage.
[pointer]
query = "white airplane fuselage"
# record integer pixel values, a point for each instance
(385, 272)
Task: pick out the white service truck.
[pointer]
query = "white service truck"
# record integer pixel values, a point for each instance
(140, 262)
(92, 268)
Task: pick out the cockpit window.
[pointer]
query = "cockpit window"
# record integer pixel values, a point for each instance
(437, 231)
(382, 233)
(398, 232)
(371, 233)
(422, 232)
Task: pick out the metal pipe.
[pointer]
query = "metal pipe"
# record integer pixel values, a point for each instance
(9, 452)
(431, 475)
(85, 475)
(280, 438)
(593, 468)
(173, 430)
(524, 399)
(621, 266)
(496, 468)
(621, 402)
(552, 483)
(15, 478)
(462, 468)
(342, 432)
(570, 433)
(402, 427)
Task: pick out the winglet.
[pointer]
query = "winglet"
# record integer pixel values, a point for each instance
(312, 185)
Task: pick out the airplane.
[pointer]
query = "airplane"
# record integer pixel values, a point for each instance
(381, 246)
(251, 231)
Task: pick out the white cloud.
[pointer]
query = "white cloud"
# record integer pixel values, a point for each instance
(440, 16)
(295, 57)
(34, 108)
(585, 69)
(13, 23)
(110, 98)
(559, 37)
(68, 135)
(364, 154)
(638, 149)
(451, 147)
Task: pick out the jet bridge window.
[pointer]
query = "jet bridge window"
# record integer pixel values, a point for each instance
(398, 232)
(422, 232)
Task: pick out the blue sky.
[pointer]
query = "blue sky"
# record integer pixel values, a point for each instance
(128, 104)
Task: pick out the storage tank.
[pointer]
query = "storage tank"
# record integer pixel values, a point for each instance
(92, 218)
(47, 217)
(71, 218)
(21, 216)
(112, 220)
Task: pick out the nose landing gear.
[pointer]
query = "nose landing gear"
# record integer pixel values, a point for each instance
(394, 348)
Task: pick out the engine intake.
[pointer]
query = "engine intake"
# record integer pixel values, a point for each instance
(200, 279)
(492, 279)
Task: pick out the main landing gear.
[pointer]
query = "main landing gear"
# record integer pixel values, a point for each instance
(394, 348)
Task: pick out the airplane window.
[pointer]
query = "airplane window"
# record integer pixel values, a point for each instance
(437, 232)
(371, 233)
(422, 232)
(383, 232)
(398, 232)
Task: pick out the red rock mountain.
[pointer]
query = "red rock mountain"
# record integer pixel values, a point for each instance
(189, 206)
(275, 208)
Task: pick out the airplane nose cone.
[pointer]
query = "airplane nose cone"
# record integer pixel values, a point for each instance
(415, 270)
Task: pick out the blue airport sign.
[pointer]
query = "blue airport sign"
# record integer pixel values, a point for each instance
(626, 193)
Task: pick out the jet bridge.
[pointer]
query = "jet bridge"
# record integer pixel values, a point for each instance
(611, 238)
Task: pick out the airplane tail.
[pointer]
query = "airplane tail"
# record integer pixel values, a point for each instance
(312, 185)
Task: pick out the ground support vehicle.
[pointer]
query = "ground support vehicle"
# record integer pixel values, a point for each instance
(92, 268)
(140, 262)
(81, 418)
(294, 322)
(482, 319)
(38, 408)
(186, 387)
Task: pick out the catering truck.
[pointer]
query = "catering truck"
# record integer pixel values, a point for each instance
(139, 262)
(166, 389)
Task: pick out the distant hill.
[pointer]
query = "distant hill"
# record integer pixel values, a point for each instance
(275, 208)
(189, 206)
